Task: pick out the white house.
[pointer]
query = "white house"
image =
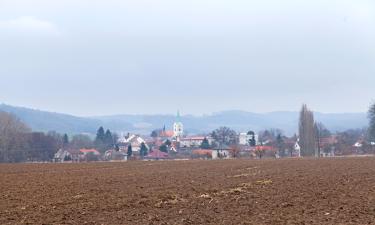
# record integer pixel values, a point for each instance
(221, 154)
(135, 141)
(194, 141)
(210, 154)
(297, 149)
(244, 138)
(62, 155)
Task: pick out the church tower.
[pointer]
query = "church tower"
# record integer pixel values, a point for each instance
(178, 127)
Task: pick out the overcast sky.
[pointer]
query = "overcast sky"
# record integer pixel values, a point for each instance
(88, 57)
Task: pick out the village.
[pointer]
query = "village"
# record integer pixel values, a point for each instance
(223, 143)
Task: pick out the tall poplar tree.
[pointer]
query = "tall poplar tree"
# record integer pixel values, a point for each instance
(371, 116)
(307, 132)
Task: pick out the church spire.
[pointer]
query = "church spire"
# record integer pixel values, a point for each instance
(178, 118)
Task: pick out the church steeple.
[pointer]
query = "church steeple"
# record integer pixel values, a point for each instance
(178, 127)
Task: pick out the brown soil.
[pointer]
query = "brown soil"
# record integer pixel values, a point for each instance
(300, 191)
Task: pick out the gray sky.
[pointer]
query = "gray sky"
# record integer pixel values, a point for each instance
(92, 57)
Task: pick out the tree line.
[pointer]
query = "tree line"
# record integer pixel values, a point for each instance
(18, 143)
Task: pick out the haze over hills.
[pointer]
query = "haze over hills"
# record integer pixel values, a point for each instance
(143, 124)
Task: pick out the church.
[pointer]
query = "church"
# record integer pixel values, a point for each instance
(176, 134)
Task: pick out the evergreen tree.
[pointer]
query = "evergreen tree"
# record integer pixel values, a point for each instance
(252, 141)
(163, 148)
(100, 135)
(154, 134)
(168, 142)
(205, 144)
(100, 140)
(144, 151)
(108, 139)
(130, 151)
(65, 141)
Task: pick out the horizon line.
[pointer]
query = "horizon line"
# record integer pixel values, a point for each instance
(170, 114)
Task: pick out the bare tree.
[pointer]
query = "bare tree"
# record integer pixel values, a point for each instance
(13, 140)
(307, 132)
(235, 151)
(81, 141)
(269, 135)
(320, 132)
(41, 147)
(225, 135)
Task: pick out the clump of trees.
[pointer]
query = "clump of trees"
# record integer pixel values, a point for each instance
(280, 145)
(259, 152)
(225, 136)
(13, 138)
(321, 132)
(105, 140)
(269, 135)
(18, 143)
(80, 141)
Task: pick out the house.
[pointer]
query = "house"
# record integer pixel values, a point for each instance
(156, 154)
(292, 147)
(203, 154)
(297, 149)
(327, 141)
(173, 147)
(265, 151)
(330, 153)
(194, 141)
(210, 154)
(327, 146)
(61, 155)
(66, 155)
(89, 154)
(223, 151)
(243, 138)
(134, 140)
(358, 144)
(115, 155)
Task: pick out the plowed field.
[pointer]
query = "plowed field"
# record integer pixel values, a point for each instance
(294, 191)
